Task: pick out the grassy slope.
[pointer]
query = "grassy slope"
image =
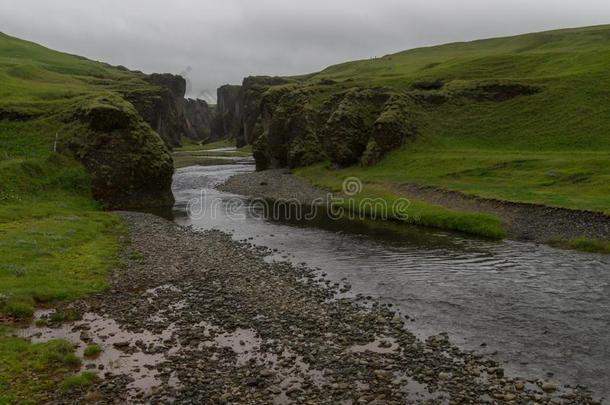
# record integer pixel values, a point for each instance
(551, 148)
(55, 243)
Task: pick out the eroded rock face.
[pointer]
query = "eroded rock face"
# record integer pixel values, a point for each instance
(293, 122)
(198, 116)
(162, 106)
(129, 164)
(288, 129)
(253, 110)
(227, 121)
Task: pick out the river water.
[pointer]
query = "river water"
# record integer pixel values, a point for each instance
(540, 311)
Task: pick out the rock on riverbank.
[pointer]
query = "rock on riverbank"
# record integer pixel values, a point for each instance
(200, 318)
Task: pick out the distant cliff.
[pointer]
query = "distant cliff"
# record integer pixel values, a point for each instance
(227, 121)
(198, 117)
(166, 110)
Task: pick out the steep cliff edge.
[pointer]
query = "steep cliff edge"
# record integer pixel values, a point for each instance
(227, 120)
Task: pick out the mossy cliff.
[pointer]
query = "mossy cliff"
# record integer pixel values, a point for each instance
(119, 124)
(226, 123)
(198, 116)
(294, 122)
(290, 125)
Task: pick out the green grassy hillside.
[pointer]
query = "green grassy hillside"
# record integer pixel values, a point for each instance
(549, 146)
(55, 242)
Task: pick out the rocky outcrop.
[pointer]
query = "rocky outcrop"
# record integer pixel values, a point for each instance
(288, 126)
(198, 116)
(253, 109)
(392, 127)
(129, 164)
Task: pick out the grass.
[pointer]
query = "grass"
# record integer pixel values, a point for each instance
(577, 180)
(377, 201)
(78, 382)
(184, 158)
(28, 372)
(92, 351)
(190, 146)
(56, 244)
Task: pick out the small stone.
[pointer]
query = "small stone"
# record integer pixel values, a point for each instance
(548, 387)
(267, 373)
(121, 344)
(443, 375)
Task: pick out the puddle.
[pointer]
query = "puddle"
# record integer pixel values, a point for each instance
(123, 352)
(417, 392)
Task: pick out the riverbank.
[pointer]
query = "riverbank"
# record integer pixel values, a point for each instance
(526, 222)
(191, 319)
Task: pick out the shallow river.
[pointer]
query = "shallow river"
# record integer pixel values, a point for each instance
(546, 312)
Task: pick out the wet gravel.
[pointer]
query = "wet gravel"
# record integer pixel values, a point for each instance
(213, 322)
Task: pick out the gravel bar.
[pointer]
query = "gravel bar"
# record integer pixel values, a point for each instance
(202, 319)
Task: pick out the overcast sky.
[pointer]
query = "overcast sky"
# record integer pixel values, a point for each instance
(213, 42)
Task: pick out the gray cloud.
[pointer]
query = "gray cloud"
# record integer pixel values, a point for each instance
(214, 42)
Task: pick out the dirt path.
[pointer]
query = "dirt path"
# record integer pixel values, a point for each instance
(198, 318)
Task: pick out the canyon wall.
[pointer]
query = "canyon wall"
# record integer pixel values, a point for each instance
(289, 124)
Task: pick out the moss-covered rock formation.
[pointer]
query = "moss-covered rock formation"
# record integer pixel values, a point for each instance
(129, 165)
(289, 124)
(294, 122)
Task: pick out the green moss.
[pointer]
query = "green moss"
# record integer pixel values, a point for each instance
(92, 351)
(66, 315)
(78, 382)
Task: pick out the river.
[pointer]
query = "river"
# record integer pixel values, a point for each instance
(538, 310)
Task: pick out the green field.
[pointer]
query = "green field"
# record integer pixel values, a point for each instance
(551, 147)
